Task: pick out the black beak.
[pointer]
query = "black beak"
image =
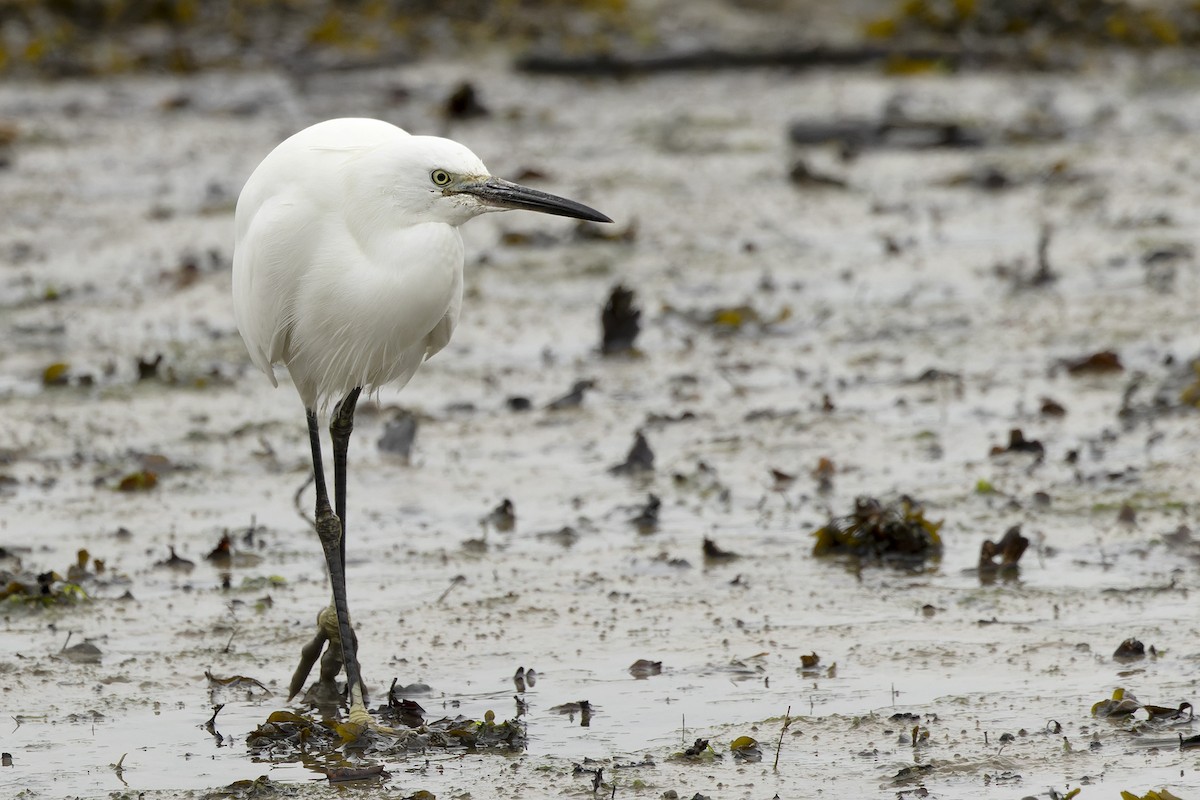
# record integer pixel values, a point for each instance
(506, 194)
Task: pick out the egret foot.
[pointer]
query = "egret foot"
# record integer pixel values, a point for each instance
(358, 715)
(325, 691)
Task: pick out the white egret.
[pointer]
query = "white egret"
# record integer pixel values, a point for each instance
(348, 270)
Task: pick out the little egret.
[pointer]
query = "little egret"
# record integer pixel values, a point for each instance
(348, 270)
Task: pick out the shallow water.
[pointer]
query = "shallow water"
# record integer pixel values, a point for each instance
(110, 191)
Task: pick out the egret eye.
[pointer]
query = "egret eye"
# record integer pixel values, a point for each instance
(440, 177)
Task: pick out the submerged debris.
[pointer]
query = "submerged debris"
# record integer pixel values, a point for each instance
(644, 668)
(699, 750)
(593, 232)
(1124, 704)
(573, 398)
(781, 480)
(464, 103)
(1045, 274)
(620, 322)
(1017, 443)
(287, 732)
(566, 536)
(237, 683)
(1052, 408)
(1131, 650)
(704, 483)
(583, 708)
(1101, 362)
(147, 368)
(985, 177)
(79, 572)
(401, 710)
(57, 374)
(1023, 279)
(140, 481)
(1009, 549)
(823, 474)
(518, 402)
(399, 434)
(1190, 394)
(1154, 794)
(894, 130)
(260, 788)
(83, 653)
(640, 459)
(348, 774)
(714, 552)
(502, 518)
(1094, 22)
(731, 319)
(874, 530)
(176, 561)
(646, 521)
(222, 554)
(793, 57)
(746, 748)
(525, 678)
(802, 175)
(47, 588)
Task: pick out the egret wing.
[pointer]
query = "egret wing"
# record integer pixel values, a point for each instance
(439, 337)
(269, 259)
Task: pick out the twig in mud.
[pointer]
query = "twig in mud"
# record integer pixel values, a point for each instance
(119, 768)
(67, 642)
(299, 494)
(1044, 274)
(234, 632)
(212, 721)
(455, 581)
(267, 449)
(787, 720)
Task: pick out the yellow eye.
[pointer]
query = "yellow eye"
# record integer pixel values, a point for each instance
(440, 177)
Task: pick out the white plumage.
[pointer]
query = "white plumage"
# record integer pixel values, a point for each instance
(342, 273)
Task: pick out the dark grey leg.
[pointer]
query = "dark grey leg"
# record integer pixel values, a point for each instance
(329, 530)
(341, 424)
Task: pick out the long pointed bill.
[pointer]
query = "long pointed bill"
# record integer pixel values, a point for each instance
(506, 194)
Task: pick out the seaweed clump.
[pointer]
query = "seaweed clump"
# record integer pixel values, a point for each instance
(287, 734)
(1089, 22)
(897, 531)
(104, 37)
(1008, 550)
(47, 588)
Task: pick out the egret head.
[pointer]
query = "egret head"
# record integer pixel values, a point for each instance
(440, 180)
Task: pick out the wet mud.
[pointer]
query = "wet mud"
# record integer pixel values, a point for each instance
(593, 515)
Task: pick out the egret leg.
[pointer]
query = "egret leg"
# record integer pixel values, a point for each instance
(329, 531)
(341, 424)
